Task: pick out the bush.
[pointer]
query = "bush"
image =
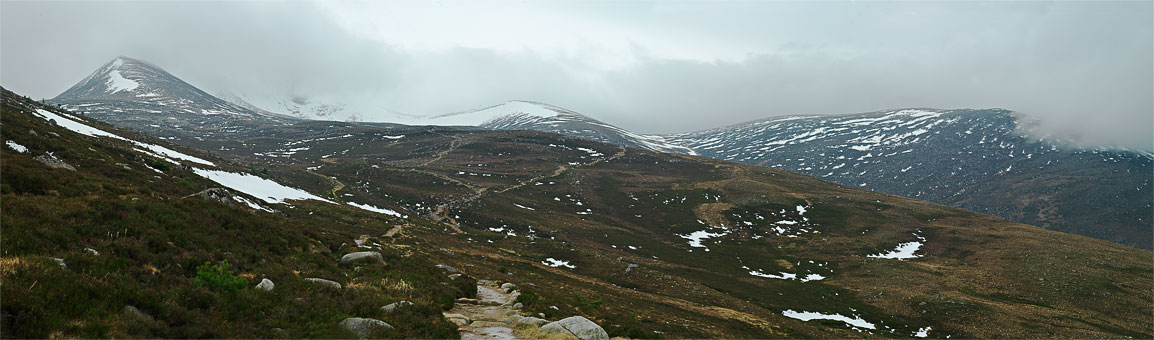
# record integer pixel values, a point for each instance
(218, 277)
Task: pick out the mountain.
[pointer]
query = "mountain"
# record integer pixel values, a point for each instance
(644, 244)
(136, 94)
(982, 160)
(525, 115)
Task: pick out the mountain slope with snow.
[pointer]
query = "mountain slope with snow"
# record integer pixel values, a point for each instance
(524, 115)
(139, 95)
(975, 159)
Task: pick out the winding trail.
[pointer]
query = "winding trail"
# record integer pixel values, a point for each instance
(442, 210)
(485, 317)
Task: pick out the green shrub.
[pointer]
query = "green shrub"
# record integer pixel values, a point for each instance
(218, 277)
(160, 165)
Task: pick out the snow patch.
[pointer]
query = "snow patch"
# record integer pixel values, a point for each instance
(117, 83)
(17, 147)
(552, 262)
(904, 251)
(806, 316)
(375, 209)
(265, 190)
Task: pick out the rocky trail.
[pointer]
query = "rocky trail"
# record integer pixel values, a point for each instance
(496, 314)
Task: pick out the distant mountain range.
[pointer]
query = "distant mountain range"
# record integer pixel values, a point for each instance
(980, 160)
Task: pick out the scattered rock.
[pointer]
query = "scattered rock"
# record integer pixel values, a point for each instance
(579, 327)
(280, 333)
(133, 312)
(450, 252)
(630, 267)
(324, 283)
(486, 282)
(468, 300)
(59, 261)
(518, 305)
(667, 277)
(362, 327)
(53, 162)
(393, 232)
(507, 286)
(392, 307)
(458, 319)
(529, 320)
(541, 315)
(92, 251)
(450, 269)
(454, 276)
(362, 257)
(216, 194)
(512, 298)
(265, 285)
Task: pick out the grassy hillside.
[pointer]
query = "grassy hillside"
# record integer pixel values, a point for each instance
(648, 245)
(127, 233)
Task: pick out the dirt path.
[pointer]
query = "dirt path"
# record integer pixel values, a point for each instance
(485, 317)
(442, 211)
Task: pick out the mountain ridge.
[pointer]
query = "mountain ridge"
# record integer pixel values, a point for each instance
(980, 175)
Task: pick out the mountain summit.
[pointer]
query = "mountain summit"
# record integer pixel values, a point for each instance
(140, 95)
(527, 115)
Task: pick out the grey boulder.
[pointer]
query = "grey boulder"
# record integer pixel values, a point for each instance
(265, 285)
(362, 327)
(361, 257)
(579, 327)
(392, 307)
(324, 283)
(450, 269)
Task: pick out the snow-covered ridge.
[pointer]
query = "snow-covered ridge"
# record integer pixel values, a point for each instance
(517, 108)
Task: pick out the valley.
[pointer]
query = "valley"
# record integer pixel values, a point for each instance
(645, 244)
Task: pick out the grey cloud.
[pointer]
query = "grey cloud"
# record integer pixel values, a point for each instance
(1084, 68)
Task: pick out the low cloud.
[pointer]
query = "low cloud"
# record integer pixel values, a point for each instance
(1084, 69)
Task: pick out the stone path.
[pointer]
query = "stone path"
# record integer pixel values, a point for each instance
(485, 317)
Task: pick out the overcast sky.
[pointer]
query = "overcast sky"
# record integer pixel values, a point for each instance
(652, 67)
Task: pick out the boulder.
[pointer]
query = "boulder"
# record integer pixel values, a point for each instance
(265, 285)
(449, 269)
(507, 286)
(454, 276)
(362, 257)
(392, 307)
(579, 327)
(485, 282)
(53, 162)
(362, 327)
(324, 283)
(518, 305)
(135, 313)
(455, 316)
(529, 320)
(512, 298)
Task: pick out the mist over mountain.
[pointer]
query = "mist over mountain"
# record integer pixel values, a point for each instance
(579, 170)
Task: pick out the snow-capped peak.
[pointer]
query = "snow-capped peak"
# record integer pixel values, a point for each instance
(513, 108)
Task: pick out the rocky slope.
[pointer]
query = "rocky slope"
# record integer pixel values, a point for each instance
(981, 160)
